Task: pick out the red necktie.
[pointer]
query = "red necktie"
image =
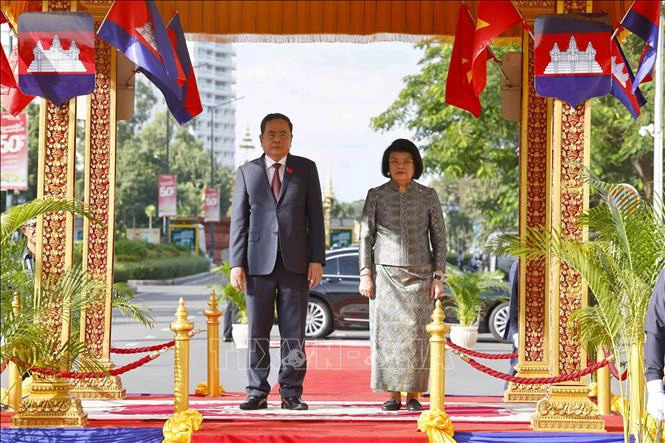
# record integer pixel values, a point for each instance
(276, 182)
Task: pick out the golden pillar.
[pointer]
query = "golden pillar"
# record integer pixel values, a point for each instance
(437, 368)
(604, 386)
(534, 198)
(213, 314)
(50, 402)
(15, 379)
(567, 406)
(182, 327)
(99, 195)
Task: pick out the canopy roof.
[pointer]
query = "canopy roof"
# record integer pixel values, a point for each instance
(340, 20)
(328, 20)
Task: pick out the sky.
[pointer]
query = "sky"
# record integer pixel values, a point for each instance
(329, 91)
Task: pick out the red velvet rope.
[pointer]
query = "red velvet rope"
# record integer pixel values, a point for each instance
(168, 344)
(535, 380)
(481, 354)
(614, 371)
(114, 371)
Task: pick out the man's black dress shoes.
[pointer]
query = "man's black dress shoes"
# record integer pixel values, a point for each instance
(294, 403)
(253, 403)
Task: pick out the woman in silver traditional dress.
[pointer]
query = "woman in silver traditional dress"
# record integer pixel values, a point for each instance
(402, 264)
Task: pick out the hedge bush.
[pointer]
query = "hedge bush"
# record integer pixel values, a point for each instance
(134, 251)
(160, 268)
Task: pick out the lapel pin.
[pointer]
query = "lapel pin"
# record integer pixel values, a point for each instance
(289, 170)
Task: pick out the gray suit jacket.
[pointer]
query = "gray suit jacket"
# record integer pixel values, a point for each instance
(295, 220)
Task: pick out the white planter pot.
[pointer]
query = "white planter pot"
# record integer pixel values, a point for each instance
(465, 336)
(240, 335)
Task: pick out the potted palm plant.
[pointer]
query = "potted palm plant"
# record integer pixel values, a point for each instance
(619, 262)
(237, 298)
(31, 343)
(465, 289)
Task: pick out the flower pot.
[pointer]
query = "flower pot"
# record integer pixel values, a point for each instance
(465, 336)
(240, 334)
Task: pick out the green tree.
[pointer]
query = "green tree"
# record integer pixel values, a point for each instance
(352, 209)
(142, 158)
(455, 144)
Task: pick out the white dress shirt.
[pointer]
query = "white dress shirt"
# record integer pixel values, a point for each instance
(270, 171)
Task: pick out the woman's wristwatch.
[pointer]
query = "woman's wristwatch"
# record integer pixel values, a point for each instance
(438, 277)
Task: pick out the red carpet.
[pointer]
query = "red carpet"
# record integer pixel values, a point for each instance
(342, 409)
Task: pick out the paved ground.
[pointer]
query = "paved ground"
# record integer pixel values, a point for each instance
(157, 376)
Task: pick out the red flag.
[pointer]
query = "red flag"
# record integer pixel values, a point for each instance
(190, 105)
(494, 18)
(459, 87)
(11, 97)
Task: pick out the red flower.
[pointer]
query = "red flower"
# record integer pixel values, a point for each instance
(289, 170)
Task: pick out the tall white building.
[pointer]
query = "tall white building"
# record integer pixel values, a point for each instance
(214, 66)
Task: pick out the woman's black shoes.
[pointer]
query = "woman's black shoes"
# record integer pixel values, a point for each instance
(391, 405)
(414, 405)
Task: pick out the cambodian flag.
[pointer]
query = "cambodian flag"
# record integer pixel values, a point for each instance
(56, 55)
(622, 82)
(136, 29)
(643, 20)
(572, 56)
(190, 105)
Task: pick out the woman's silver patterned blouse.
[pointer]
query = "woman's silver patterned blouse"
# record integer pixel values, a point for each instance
(402, 228)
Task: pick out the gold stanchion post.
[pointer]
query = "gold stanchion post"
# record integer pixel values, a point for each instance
(182, 327)
(437, 344)
(15, 391)
(604, 386)
(435, 422)
(213, 314)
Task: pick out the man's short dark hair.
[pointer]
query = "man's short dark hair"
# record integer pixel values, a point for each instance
(402, 145)
(275, 116)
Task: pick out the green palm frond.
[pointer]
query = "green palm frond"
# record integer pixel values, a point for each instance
(123, 301)
(13, 218)
(594, 331)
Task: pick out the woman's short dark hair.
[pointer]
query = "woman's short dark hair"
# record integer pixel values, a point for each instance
(402, 145)
(275, 116)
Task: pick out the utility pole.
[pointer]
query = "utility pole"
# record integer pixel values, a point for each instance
(658, 129)
(165, 220)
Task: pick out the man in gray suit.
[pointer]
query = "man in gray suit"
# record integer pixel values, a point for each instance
(277, 253)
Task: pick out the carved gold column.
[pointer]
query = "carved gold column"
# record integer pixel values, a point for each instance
(567, 406)
(50, 402)
(98, 240)
(535, 147)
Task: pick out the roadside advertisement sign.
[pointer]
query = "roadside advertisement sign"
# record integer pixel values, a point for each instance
(167, 197)
(211, 205)
(14, 152)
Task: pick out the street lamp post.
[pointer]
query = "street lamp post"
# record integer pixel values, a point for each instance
(212, 109)
(165, 220)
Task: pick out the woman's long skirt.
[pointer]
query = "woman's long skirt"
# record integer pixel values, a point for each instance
(398, 314)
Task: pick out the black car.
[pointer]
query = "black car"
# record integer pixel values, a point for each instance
(336, 303)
